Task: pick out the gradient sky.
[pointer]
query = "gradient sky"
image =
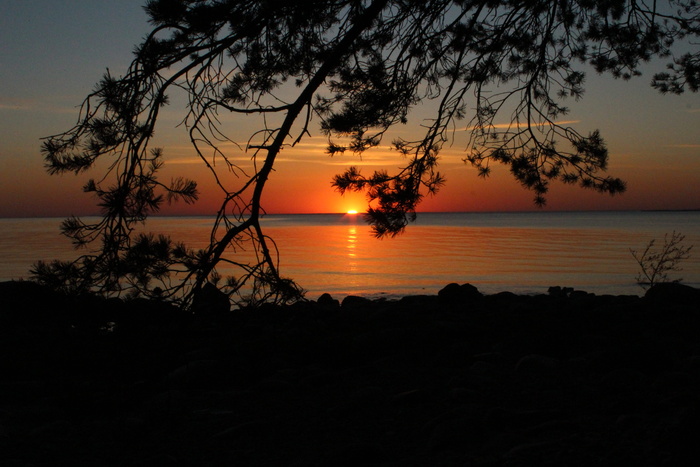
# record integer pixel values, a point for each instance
(54, 51)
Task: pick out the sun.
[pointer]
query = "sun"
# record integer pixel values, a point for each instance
(352, 211)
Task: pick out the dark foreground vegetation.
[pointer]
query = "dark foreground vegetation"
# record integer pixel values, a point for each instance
(462, 379)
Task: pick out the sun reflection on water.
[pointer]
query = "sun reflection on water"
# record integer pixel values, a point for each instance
(523, 253)
(352, 247)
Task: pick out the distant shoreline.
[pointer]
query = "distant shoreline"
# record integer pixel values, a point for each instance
(670, 210)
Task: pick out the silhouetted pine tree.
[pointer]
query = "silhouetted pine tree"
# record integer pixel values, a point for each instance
(357, 68)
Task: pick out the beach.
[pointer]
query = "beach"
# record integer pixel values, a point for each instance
(457, 378)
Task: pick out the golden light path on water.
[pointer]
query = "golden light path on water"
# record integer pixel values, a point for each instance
(522, 253)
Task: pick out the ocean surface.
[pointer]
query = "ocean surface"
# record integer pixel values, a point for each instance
(336, 253)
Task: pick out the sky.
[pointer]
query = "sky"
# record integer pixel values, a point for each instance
(54, 51)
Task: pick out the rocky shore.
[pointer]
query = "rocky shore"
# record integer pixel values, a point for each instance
(562, 379)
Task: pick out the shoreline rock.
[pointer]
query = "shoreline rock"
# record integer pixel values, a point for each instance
(503, 379)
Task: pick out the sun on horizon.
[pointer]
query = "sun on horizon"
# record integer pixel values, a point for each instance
(351, 211)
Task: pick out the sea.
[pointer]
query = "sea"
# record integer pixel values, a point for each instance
(523, 252)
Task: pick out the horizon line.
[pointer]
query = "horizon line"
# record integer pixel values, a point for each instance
(359, 213)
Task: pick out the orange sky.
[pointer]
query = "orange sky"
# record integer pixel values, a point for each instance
(653, 140)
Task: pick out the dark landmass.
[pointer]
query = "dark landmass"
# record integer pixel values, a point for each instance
(459, 379)
(671, 210)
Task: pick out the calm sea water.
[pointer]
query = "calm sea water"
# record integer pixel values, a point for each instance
(335, 253)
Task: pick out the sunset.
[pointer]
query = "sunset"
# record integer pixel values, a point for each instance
(54, 54)
(334, 232)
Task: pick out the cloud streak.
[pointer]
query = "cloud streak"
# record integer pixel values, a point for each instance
(505, 126)
(16, 104)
